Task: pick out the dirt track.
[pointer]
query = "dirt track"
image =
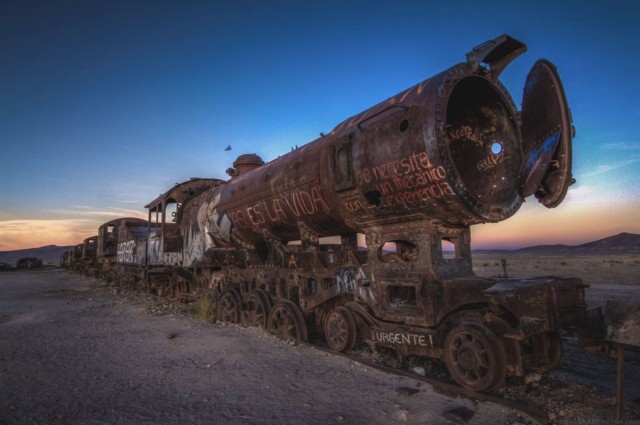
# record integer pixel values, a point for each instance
(72, 352)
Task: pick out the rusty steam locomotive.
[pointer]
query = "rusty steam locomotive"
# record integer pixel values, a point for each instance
(280, 245)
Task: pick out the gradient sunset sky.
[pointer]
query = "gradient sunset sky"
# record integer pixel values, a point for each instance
(106, 104)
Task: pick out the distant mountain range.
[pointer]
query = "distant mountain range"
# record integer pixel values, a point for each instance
(621, 244)
(49, 254)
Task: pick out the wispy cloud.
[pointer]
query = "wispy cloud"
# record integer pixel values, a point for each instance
(605, 168)
(87, 211)
(621, 146)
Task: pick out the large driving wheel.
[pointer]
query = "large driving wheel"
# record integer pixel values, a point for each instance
(286, 322)
(340, 329)
(475, 357)
(256, 311)
(229, 307)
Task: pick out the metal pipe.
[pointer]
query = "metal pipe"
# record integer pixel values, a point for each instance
(619, 382)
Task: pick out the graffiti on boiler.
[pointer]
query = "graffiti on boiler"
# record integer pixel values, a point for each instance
(405, 182)
(285, 207)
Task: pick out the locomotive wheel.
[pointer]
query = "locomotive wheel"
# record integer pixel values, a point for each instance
(229, 307)
(256, 312)
(299, 317)
(340, 329)
(475, 357)
(266, 297)
(286, 322)
(553, 349)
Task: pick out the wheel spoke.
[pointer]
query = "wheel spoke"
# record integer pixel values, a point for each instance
(228, 308)
(283, 323)
(255, 313)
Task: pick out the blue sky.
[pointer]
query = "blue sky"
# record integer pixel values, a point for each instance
(106, 104)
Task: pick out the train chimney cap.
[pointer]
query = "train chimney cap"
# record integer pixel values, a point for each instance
(248, 159)
(244, 163)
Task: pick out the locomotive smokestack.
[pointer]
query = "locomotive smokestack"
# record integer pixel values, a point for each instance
(244, 163)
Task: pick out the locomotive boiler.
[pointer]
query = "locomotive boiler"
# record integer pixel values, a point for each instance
(278, 245)
(453, 148)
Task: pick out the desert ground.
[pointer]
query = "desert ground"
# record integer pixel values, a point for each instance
(611, 269)
(74, 350)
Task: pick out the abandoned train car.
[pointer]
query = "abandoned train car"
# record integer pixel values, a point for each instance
(364, 233)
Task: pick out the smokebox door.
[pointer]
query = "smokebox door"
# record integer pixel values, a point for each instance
(547, 134)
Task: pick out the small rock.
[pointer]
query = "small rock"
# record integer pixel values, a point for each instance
(171, 335)
(403, 415)
(340, 418)
(459, 415)
(419, 371)
(407, 391)
(531, 378)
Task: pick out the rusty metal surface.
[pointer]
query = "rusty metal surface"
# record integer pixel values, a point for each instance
(623, 322)
(89, 258)
(90, 248)
(165, 245)
(365, 231)
(539, 126)
(122, 240)
(64, 260)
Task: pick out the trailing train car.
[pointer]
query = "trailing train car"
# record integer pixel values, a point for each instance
(89, 256)
(169, 274)
(364, 233)
(122, 249)
(75, 259)
(64, 260)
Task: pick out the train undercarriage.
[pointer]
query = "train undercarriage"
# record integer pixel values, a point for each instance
(483, 329)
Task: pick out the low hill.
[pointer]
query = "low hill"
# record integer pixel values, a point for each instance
(620, 244)
(49, 254)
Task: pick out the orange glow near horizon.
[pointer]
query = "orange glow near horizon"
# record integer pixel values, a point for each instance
(573, 223)
(570, 224)
(26, 234)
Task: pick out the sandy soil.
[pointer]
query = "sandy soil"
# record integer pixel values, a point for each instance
(75, 352)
